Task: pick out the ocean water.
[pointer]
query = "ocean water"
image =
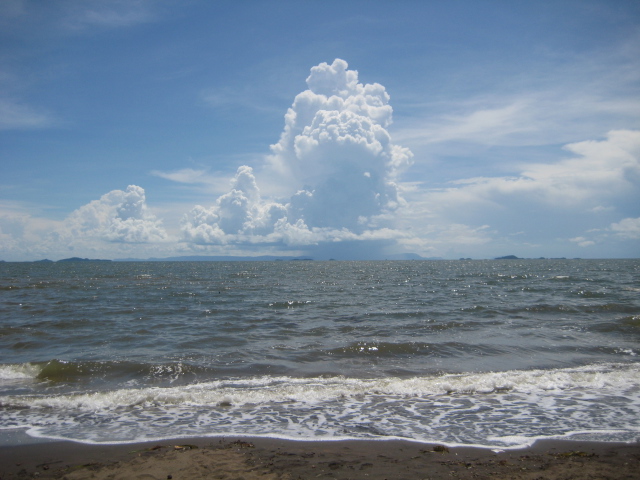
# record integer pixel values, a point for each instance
(492, 353)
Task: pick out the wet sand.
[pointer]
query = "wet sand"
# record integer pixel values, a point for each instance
(264, 458)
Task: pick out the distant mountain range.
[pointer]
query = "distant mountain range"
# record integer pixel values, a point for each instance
(72, 259)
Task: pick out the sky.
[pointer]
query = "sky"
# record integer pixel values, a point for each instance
(331, 129)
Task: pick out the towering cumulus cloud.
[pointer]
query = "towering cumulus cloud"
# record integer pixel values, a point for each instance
(118, 216)
(337, 160)
(237, 215)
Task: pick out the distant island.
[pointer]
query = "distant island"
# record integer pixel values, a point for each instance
(66, 260)
(513, 257)
(78, 259)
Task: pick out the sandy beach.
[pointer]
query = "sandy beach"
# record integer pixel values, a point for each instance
(264, 458)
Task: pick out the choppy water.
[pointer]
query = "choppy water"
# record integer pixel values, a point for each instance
(494, 353)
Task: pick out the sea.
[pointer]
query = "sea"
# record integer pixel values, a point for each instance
(491, 353)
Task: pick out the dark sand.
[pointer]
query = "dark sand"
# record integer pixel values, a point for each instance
(263, 458)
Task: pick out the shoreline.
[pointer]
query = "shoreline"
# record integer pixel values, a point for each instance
(272, 458)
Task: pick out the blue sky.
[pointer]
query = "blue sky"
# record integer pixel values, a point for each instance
(336, 129)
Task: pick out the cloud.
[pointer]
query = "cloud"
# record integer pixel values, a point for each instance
(19, 116)
(568, 195)
(483, 123)
(240, 212)
(191, 176)
(185, 175)
(12, 229)
(335, 143)
(597, 171)
(338, 162)
(625, 229)
(554, 102)
(582, 241)
(242, 216)
(118, 223)
(525, 119)
(443, 237)
(628, 228)
(118, 216)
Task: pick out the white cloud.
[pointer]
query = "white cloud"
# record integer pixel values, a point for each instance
(602, 209)
(337, 111)
(582, 241)
(628, 228)
(185, 175)
(240, 212)
(336, 147)
(624, 230)
(438, 238)
(118, 216)
(526, 119)
(598, 171)
(483, 123)
(190, 176)
(12, 229)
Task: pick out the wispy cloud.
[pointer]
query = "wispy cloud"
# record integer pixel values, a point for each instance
(582, 241)
(597, 171)
(80, 15)
(186, 175)
(528, 119)
(476, 123)
(626, 230)
(15, 115)
(210, 182)
(560, 101)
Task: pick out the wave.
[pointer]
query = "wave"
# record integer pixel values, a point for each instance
(22, 371)
(277, 389)
(502, 409)
(61, 371)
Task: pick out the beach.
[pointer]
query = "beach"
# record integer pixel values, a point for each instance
(267, 458)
